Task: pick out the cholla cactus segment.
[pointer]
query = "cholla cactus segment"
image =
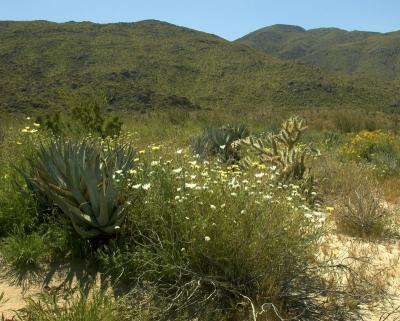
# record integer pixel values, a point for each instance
(78, 178)
(283, 151)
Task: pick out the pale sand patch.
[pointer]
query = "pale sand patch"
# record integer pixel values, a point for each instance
(66, 279)
(14, 297)
(380, 262)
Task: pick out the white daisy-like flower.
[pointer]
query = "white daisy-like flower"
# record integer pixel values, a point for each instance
(190, 185)
(146, 186)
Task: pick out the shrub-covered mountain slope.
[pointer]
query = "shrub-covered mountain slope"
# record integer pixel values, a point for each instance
(361, 53)
(152, 64)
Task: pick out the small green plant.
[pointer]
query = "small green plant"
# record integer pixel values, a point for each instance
(80, 179)
(220, 142)
(23, 252)
(347, 122)
(95, 306)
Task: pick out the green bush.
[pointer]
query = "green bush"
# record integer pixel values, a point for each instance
(84, 115)
(219, 252)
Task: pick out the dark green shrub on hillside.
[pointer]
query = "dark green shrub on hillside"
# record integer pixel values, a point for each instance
(88, 111)
(85, 115)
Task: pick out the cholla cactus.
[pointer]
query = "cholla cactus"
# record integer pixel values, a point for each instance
(78, 178)
(283, 152)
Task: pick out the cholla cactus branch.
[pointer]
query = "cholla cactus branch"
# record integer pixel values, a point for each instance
(283, 152)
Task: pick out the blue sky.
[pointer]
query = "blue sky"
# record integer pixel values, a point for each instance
(227, 18)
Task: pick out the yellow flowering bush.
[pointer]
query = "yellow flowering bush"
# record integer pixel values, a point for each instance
(366, 144)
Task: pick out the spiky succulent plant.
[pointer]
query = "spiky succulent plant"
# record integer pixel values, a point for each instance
(79, 179)
(220, 141)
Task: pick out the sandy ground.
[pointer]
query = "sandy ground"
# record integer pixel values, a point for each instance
(14, 298)
(16, 292)
(379, 263)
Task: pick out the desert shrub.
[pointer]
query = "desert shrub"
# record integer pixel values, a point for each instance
(378, 148)
(177, 117)
(366, 144)
(359, 210)
(88, 111)
(347, 122)
(208, 244)
(85, 115)
(80, 178)
(220, 142)
(97, 305)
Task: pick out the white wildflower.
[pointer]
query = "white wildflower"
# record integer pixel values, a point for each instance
(146, 186)
(259, 175)
(190, 185)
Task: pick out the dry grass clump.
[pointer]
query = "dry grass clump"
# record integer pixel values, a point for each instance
(357, 197)
(360, 209)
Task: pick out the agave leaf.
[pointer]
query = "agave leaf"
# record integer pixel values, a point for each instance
(84, 231)
(91, 183)
(104, 215)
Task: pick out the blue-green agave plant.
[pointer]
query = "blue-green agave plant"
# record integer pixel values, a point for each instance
(79, 179)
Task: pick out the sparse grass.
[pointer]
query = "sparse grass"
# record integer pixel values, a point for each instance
(23, 252)
(94, 306)
(360, 209)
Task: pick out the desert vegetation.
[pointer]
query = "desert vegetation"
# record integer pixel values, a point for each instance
(150, 172)
(194, 215)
